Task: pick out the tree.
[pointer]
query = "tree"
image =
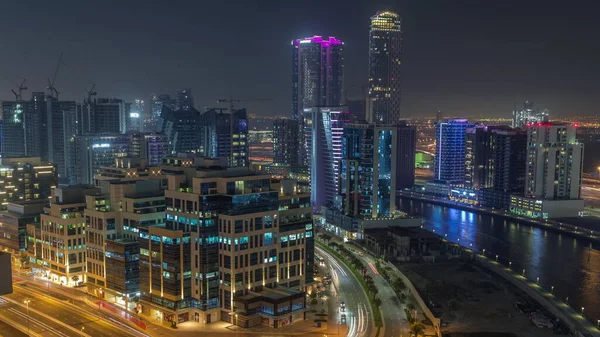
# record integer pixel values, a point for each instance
(377, 301)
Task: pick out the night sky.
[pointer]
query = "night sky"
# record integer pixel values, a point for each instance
(462, 57)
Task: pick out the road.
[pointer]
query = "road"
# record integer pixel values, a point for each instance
(392, 311)
(359, 317)
(73, 313)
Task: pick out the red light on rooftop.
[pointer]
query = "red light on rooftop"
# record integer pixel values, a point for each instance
(576, 125)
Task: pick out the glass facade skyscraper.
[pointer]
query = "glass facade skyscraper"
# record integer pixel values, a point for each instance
(317, 74)
(450, 148)
(325, 146)
(385, 50)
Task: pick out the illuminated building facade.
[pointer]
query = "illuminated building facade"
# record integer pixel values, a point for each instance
(325, 152)
(528, 115)
(63, 235)
(385, 51)
(286, 142)
(450, 146)
(94, 152)
(248, 242)
(317, 73)
(23, 179)
(23, 128)
(185, 100)
(224, 134)
(553, 173)
(114, 217)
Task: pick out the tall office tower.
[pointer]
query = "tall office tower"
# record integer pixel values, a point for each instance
(225, 134)
(450, 146)
(151, 146)
(317, 73)
(248, 263)
(114, 216)
(369, 170)
(182, 128)
(286, 137)
(185, 100)
(406, 147)
(385, 50)
(110, 116)
(528, 115)
(325, 146)
(553, 173)
(63, 235)
(554, 162)
(505, 167)
(61, 130)
(94, 152)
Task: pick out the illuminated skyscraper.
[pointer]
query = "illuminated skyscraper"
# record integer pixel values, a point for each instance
(318, 73)
(450, 146)
(325, 150)
(385, 49)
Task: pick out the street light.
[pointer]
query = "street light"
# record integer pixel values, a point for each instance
(27, 304)
(582, 311)
(552, 290)
(82, 328)
(523, 272)
(537, 280)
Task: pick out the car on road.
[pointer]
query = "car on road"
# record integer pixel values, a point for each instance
(343, 318)
(342, 306)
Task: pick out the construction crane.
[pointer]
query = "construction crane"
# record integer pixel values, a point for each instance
(231, 102)
(20, 88)
(91, 93)
(52, 80)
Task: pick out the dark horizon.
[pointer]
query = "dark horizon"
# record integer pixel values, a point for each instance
(460, 57)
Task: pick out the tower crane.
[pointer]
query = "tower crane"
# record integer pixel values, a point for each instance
(20, 88)
(91, 93)
(52, 80)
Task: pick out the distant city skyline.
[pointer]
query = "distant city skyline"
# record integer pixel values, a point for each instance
(463, 58)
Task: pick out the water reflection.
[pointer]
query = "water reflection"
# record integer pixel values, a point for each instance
(568, 264)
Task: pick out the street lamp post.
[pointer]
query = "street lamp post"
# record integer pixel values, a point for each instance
(82, 328)
(27, 304)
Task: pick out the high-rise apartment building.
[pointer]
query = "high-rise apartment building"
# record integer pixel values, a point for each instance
(324, 148)
(224, 134)
(151, 146)
(553, 173)
(528, 115)
(505, 168)
(385, 51)
(23, 130)
(450, 146)
(317, 73)
(62, 129)
(286, 138)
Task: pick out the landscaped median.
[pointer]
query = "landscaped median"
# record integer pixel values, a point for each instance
(374, 302)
